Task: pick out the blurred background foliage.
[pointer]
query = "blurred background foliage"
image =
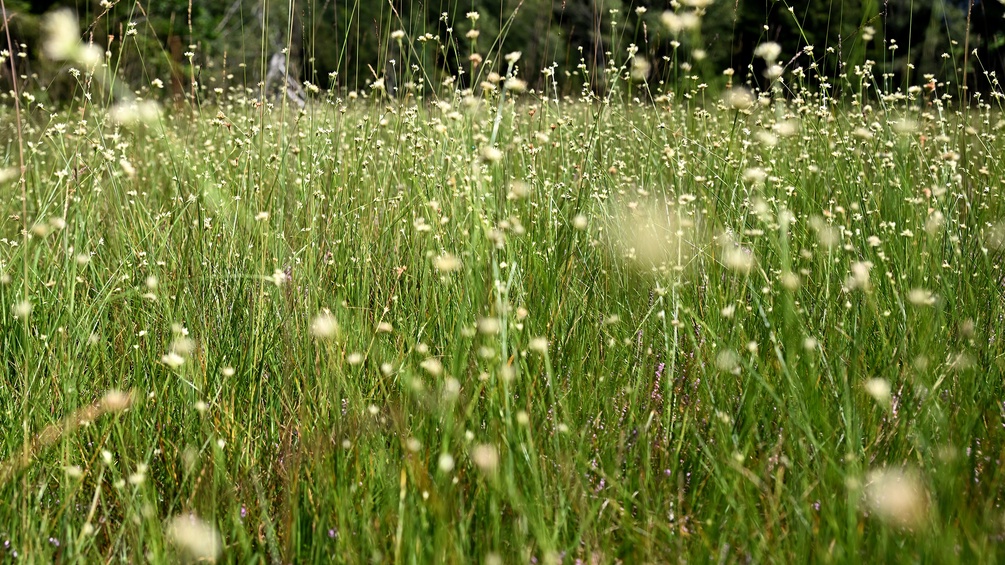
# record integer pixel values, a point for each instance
(347, 44)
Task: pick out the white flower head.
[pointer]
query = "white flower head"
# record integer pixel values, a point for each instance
(897, 496)
(491, 154)
(22, 309)
(739, 98)
(278, 277)
(446, 462)
(433, 366)
(486, 457)
(324, 325)
(539, 344)
(195, 537)
(640, 68)
(921, 297)
(515, 85)
(769, 51)
(173, 359)
(879, 390)
(9, 174)
(446, 263)
(859, 277)
(90, 56)
(116, 400)
(62, 35)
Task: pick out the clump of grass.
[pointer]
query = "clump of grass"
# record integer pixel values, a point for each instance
(499, 324)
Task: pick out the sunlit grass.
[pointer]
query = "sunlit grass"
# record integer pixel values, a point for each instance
(484, 325)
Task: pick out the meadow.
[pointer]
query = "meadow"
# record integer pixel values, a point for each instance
(502, 324)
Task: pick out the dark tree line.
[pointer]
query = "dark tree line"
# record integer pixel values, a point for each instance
(348, 44)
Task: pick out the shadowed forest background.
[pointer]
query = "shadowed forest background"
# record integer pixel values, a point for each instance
(349, 44)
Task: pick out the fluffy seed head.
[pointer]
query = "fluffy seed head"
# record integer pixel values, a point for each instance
(433, 366)
(22, 309)
(116, 401)
(879, 389)
(769, 51)
(897, 496)
(445, 462)
(446, 263)
(486, 458)
(62, 35)
(324, 325)
(739, 99)
(195, 537)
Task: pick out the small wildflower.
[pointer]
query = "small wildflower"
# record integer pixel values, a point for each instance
(862, 133)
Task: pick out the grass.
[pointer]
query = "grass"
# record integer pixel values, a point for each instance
(675, 328)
